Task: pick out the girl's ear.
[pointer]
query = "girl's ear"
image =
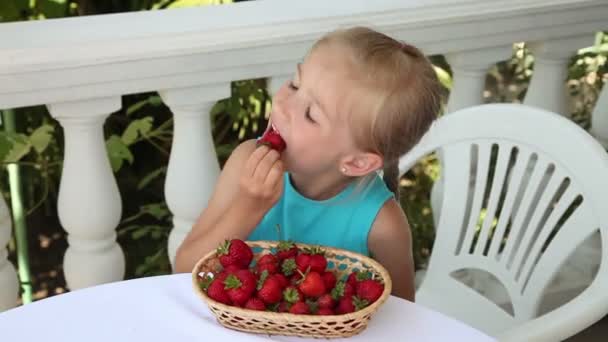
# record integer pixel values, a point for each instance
(361, 164)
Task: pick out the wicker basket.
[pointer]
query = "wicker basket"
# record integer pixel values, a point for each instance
(334, 326)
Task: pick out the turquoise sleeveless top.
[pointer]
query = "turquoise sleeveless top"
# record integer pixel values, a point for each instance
(343, 221)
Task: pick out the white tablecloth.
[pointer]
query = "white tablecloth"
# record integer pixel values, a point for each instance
(166, 309)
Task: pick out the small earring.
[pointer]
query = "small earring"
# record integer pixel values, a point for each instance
(344, 169)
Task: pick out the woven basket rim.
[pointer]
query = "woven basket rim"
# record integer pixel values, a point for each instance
(282, 316)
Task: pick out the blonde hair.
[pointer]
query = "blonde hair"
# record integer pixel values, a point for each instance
(404, 89)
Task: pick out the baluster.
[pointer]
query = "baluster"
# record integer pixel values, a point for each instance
(9, 284)
(193, 166)
(548, 87)
(599, 118)
(469, 69)
(89, 203)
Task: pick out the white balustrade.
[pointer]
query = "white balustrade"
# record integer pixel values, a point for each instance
(81, 67)
(548, 88)
(9, 283)
(193, 165)
(89, 203)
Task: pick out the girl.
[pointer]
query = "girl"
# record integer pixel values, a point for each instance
(357, 103)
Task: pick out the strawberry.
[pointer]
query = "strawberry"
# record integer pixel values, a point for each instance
(286, 250)
(318, 263)
(295, 279)
(350, 304)
(299, 308)
(329, 278)
(325, 312)
(217, 292)
(255, 304)
(232, 268)
(312, 285)
(268, 258)
(222, 276)
(303, 262)
(369, 290)
(240, 286)
(269, 289)
(292, 294)
(326, 301)
(269, 263)
(282, 279)
(284, 307)
(235, 252)
(341, 290)
(356, 277)
(288, 266)
(273, 139)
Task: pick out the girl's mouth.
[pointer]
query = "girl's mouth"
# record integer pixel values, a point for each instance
(273, 139)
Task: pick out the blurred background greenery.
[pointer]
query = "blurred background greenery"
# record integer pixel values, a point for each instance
(138, 140)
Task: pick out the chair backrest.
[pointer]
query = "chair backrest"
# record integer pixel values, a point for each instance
(523, 187)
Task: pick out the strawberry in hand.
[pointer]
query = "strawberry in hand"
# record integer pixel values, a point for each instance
(273, 139)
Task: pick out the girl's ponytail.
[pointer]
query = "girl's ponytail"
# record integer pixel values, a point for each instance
(391, 177)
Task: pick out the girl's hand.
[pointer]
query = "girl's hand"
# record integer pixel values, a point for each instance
(261, 181)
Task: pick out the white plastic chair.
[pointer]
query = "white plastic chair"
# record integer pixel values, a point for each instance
(547, 192)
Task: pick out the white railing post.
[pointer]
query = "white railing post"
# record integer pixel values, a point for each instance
(9, 283)
(469, 69)
(599, 117)
(89, 203)
(548, 88)
(193, 166)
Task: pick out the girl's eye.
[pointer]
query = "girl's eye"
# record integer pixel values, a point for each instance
(292, 86)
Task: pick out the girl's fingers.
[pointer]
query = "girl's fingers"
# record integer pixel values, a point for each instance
(275, 174)
(264, 166)
(254, 159)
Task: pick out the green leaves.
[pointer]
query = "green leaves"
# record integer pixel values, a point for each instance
(136, 129)
(53, 8)
(10, 10)
(41, 137)
(118, 147)
(15, 146)
(118, 152)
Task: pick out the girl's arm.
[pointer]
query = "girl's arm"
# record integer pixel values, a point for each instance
(390, 242)
(250, 183)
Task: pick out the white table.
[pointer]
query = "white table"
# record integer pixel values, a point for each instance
(165, 308)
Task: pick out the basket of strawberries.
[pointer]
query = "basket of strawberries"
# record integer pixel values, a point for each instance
(280, 288)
